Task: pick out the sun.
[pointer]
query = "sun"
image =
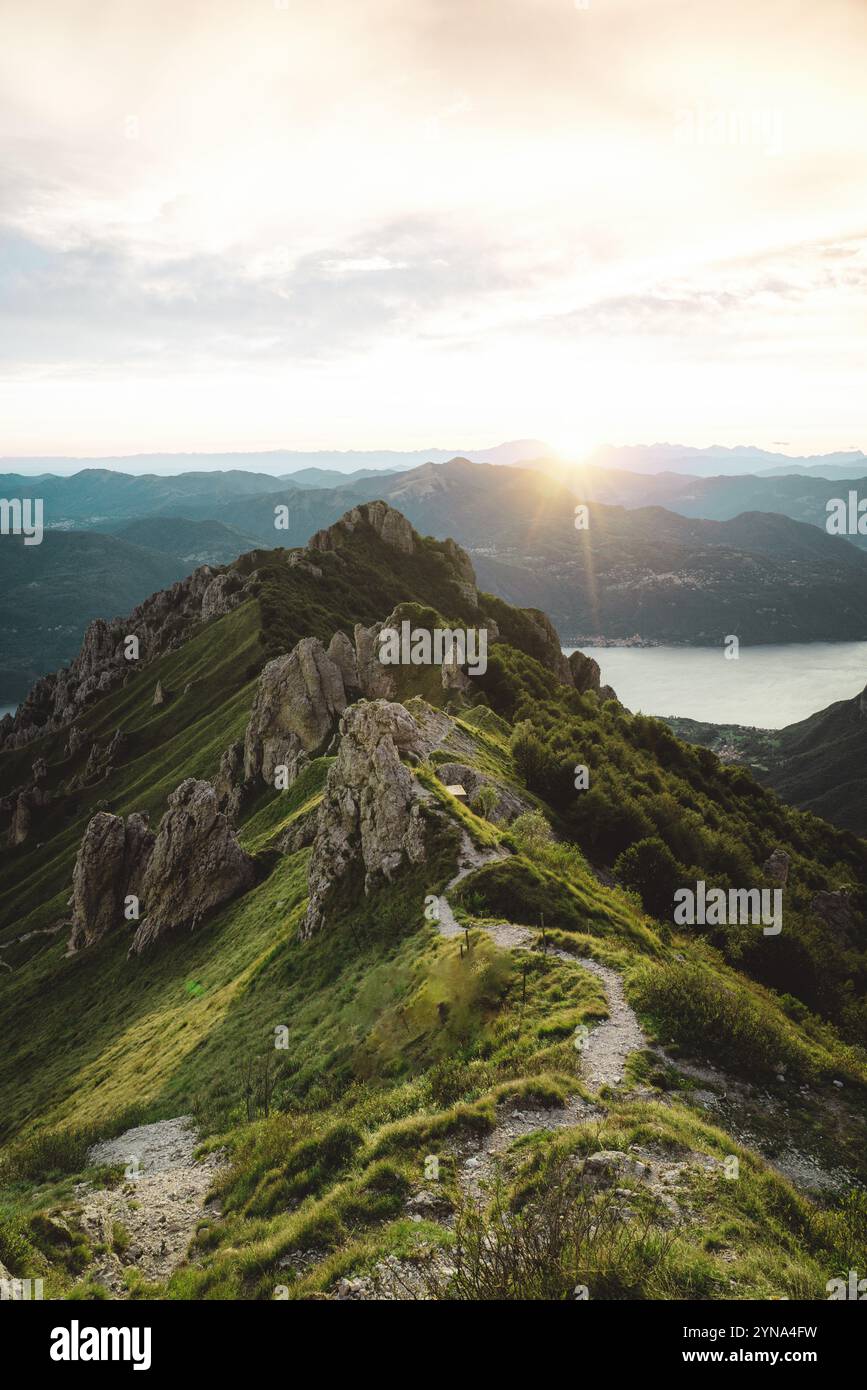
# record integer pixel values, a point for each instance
(575, 451)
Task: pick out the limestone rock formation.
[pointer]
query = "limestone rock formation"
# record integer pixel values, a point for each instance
(196, 865)
(342, 653)
(454, 677)
(110, 865)
(434, 725)
(371, 818)
(76, 739)
(465, 574)
(376, 681)
(391, 526)
(223, 593)
(19, 810)
(298, 834)
(776, 867)
(159, 695)
(229, 784)
(22, 808)
(586, 676)
(298, 702)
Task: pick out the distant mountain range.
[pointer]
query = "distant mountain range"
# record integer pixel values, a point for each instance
(97, 496)
(818, 764)
(316, 467)
(279, 462)
(803, 497)
(639, 571)
(743, 458)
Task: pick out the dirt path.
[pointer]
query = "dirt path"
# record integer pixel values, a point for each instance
(148, 1220)
(603, 1061)
(610, 1043)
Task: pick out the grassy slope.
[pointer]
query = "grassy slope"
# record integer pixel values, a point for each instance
(397, 1042)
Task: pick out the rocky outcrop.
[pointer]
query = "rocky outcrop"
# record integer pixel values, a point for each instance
(110, 866)
(229, 784)
(391, 526)
(298, 702)
(434, 725)
(76, 739)
(298, 834)
(371, 819)
(192, 865)
(376, 681)
(224, 593)
(19, 811)
(20, 807)
(586, 676)
(343, 654)
(196, 865)
(454, 677)
(776, 867)
(465, 575)
(301, 696)
(159, 695)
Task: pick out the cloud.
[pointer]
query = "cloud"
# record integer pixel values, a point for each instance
(202, 185)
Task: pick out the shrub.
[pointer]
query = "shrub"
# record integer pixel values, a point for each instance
(565, 1239)
(650, 868)
(485, 800)
(531, 830)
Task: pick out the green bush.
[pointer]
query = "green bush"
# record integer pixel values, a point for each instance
(651, 870)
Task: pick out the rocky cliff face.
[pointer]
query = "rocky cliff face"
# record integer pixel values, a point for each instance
(161, 624)
(371, 818)
(300, 698)
(298, 701)
(192, 865)
(196, 865)
(391, 526)
(585, 675)
(110, 866)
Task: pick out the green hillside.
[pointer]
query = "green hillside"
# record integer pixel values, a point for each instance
(405, 1042)
(817, 764)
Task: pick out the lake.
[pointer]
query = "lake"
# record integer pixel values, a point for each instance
(767, 687)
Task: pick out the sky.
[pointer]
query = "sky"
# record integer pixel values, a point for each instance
(260, 224)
